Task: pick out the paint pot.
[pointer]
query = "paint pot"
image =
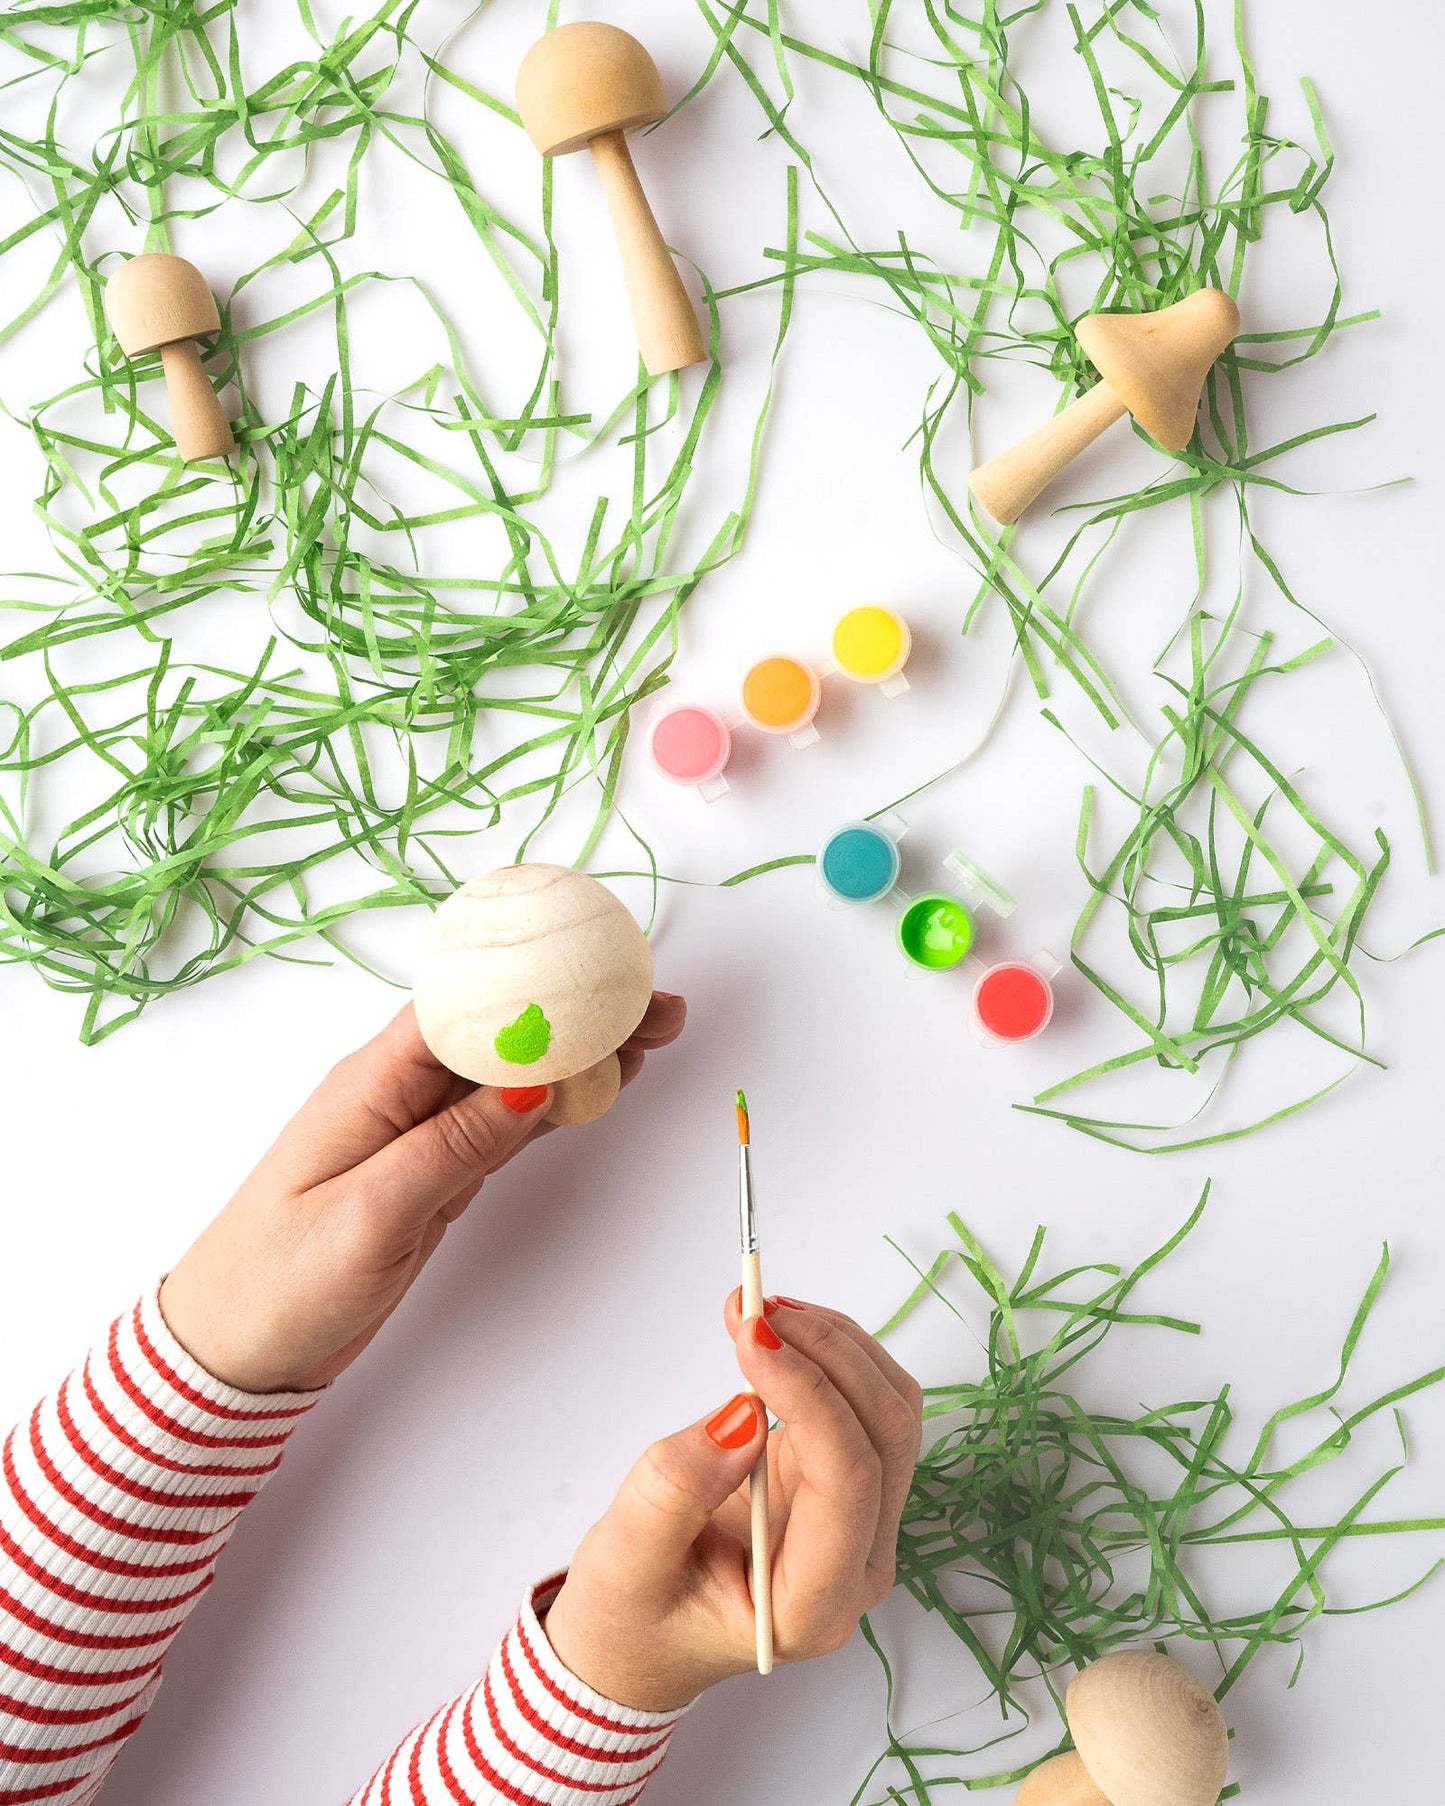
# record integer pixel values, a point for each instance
(871, 645)
(935, 932)
(859, 863)
(1014, 1000)
(691, 745)
(781, 696)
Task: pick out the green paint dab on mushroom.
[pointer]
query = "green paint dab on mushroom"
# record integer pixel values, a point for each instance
(524, 1041)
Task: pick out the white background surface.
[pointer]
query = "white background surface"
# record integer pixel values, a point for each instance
(573, 1315)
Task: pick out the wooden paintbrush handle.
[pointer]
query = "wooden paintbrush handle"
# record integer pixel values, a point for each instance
(1005, 485)
(198, 423)
(668, 333)
(762, 1534)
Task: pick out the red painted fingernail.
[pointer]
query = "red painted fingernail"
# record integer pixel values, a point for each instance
(524, 1098)
(779, 1303)
(764, 1334)
(736, 1424)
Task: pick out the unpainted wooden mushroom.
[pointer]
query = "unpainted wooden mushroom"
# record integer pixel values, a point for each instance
(590, 84)
(1145, 1732)
(156, 302)
(1153, 366)
(534, 975)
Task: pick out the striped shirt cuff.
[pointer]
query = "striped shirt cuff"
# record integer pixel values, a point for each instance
(530, 1734)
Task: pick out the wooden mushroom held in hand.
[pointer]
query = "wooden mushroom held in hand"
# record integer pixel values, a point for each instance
(534, 975)
(1153, 367)
(160, 303)
(1145, 1732)
(590, 84)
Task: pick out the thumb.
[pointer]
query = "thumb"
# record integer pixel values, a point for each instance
(669, 1498)
(445, 1158)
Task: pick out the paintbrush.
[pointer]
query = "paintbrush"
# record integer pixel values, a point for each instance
(752, 1295)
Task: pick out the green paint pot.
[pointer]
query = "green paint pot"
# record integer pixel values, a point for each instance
(935, 932)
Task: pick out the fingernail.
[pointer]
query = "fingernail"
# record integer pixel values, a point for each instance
(669, 996)
(524, 1098)
(764, 1334)
(778, 1303)
(736, 1424)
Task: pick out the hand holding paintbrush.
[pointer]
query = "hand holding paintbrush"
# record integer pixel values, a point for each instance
(678, 1586)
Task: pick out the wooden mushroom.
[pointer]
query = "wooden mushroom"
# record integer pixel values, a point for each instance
(1145, 1732)
(1153, 367)
(534, 975)
(590, 84)
(161, 303)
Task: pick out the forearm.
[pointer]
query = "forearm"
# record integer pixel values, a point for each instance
(529, 1733)
(117, 1495)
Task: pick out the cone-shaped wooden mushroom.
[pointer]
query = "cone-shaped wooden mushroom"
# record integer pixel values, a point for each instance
(1153, 366)
(534, 975)
(590, 84)
(1145, 1732)
(160, 303)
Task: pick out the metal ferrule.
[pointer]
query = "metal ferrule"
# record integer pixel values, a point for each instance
(747, 1212)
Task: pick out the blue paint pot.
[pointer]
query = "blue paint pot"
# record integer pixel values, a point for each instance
(858, 864)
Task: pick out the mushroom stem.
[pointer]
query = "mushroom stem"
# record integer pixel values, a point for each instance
(198, 422)
(1061, 1781)
(586, 1095)
(1005, 485)
(667, 330)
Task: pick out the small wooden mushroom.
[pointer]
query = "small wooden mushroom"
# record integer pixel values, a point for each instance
(1153, 366)
(590, 84)
(1145, 1732)
(534, 975)
(160, 303)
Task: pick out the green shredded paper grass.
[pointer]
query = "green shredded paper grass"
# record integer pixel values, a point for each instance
(1044, 1531)
(397, 701)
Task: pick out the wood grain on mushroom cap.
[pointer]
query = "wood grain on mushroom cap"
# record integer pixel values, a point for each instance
(1147, 1732)
(582, 80)
(1156, 363)
(530, 974)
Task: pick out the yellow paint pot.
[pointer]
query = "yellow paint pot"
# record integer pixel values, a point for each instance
(871, 645)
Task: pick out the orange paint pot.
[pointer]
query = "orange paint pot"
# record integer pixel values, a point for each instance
(781, 696)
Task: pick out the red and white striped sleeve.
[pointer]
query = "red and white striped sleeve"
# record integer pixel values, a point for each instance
(117, 1495)
(528, 1734)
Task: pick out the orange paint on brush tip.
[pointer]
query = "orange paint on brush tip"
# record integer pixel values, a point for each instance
(744, 1136)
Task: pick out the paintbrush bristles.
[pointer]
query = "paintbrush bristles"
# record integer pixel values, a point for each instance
(744, 1135)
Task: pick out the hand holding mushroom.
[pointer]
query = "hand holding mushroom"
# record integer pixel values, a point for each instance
(1153, 367)
(535, 975)
(1145, 1734)
(161, 303)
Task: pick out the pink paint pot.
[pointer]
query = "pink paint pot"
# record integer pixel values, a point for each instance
(691, 745)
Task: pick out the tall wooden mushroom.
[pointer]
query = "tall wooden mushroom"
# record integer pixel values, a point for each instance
(590, 84)
(1153, 367)
(156, 302)
(534, 975)
(1145, 1732)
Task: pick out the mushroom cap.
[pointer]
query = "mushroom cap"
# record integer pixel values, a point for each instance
(155, 299)
(1147, 1731)
(530, 974)
(1156, 363)
(585, 79)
